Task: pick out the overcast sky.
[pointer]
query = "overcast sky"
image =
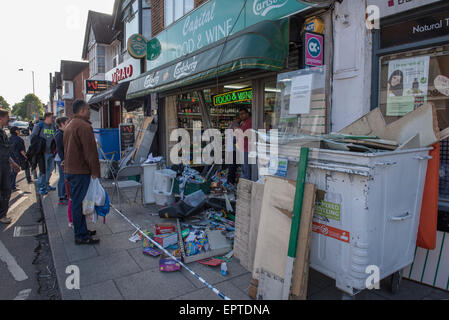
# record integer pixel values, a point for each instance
(36, 35)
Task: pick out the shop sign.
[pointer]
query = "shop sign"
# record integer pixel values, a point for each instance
(152, 80)
(233, 97)
(96, 86)
(423, 28)
(314, 48)
(125, 71)
(153, 49)
(137, 46)
(213, 21)
(122, 74)
(392, 7)
(185, 68)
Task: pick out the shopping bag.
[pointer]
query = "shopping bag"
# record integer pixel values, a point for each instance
(103, 210)
(95, 196)
(100, 194)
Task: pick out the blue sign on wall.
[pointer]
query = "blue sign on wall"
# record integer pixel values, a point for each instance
(60, 104)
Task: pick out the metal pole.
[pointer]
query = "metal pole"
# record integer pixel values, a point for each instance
(34, 92)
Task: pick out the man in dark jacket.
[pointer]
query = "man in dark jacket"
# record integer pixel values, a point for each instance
(5, 169)
(81, 163)
(17, 151)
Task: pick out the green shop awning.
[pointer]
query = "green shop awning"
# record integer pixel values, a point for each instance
(262, 46)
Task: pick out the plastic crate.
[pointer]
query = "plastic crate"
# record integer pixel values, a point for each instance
(192, 188)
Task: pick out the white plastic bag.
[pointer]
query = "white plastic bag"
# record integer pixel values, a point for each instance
(95, 196)
(100, 193)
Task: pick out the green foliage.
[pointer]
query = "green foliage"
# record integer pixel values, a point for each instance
(29, 106)
(4, 104)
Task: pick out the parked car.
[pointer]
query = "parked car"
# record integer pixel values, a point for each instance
(23, 126)
(12, 120)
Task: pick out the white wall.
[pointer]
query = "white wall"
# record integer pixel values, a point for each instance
(352, 64)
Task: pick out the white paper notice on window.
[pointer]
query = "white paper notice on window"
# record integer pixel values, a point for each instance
(301, 93)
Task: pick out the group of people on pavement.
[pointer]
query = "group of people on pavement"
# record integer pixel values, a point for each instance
(68, 143)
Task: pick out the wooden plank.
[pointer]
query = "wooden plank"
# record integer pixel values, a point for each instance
(444, 134)
(301, 267)
(243, 222)
(378, 144)
(274, 228)
(256, 207)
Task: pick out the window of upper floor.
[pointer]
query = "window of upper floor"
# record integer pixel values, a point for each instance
(176, 9)
(97, 60)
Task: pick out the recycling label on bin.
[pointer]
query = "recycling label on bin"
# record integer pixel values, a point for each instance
(331, 232)
(328, 205)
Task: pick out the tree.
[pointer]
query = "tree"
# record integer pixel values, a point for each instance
(4, 104)
(29, 106)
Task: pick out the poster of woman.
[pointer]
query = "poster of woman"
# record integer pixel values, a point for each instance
(407, 85)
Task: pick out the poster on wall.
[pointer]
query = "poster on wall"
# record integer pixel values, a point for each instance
(301, 94)
(408, 81)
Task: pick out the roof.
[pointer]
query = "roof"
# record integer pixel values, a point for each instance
(70, 69)
(101, 24)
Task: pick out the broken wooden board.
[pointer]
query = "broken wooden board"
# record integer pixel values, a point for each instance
(370, 124)
(243, 222)
(422, 121)
(376, 144)
(256, 207)
(444, 134)
(274, 227)
(300, 277)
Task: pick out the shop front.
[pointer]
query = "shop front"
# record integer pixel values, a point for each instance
(410, 69)
(235, 70)
(112, 104)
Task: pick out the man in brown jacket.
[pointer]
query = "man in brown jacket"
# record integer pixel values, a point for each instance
(81, 163)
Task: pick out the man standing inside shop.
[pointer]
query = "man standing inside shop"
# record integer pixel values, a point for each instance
(81, 163)
(246, 123)
(5, 169)
(46, 130)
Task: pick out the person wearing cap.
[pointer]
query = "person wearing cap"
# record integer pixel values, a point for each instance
(17, 152)
(6, 162)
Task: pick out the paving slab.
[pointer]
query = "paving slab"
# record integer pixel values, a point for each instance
(144, 262)
(213, 274)
(154, 285)
(102, 291)
(227, 288)
(110, 244)
(103, 268)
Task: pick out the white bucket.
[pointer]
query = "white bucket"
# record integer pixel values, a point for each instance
(164, 199)
(164, 181)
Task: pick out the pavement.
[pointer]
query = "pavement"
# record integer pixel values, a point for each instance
(26, 266)
(116, 269)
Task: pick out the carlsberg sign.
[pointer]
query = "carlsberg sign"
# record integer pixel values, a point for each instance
(263, 7)
(216, 20)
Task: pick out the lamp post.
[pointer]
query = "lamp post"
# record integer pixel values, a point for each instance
(32, 72)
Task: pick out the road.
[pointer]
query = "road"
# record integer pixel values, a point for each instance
(26, 267)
